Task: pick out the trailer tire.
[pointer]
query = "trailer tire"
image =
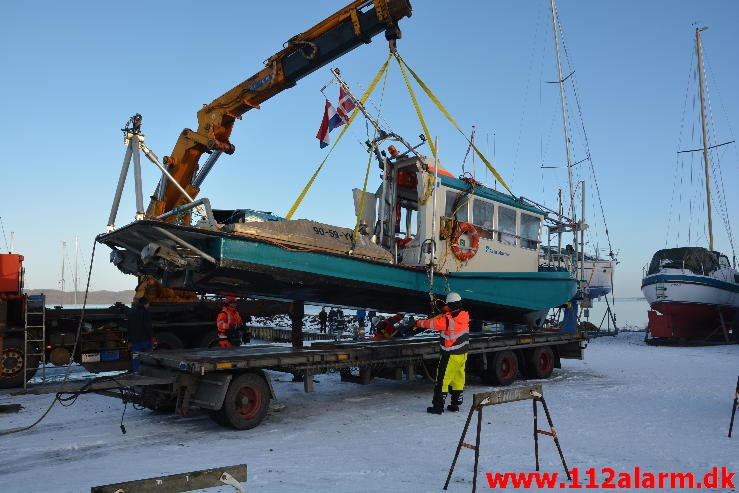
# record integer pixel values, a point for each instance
(245, 404)
(13, 356)
(502, 368)
(168, 340)
(539, 362)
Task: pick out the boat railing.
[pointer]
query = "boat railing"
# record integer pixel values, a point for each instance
(558, 260)
(181, 210)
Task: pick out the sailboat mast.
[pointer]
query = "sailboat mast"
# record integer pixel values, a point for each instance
(567, 144)
(564, 120)
(699, 48)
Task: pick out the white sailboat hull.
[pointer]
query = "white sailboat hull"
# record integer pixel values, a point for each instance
(599, 276)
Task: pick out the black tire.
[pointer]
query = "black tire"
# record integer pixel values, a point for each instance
(245, 404)
(168, 340)
(210, 339)
(13, 356)
(502, 368)
(539, 362)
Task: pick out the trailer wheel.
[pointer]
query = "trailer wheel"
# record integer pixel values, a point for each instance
(539, 362)
(12, 374)
(245, 404)
(502, 368)
(167, 340)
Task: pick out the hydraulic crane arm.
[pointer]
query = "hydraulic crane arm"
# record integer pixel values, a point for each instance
(341, 32)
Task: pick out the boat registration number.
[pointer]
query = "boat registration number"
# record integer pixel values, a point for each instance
(331, 233)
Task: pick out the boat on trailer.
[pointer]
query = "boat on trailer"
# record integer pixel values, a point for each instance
(422, 233)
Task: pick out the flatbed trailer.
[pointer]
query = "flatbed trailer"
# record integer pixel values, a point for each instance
(233, 386)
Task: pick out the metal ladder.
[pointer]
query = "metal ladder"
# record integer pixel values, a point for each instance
(35, 336)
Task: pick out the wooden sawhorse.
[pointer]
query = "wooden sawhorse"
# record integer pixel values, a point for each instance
(479, 401)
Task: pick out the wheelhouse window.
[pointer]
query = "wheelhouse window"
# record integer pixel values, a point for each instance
(507, 225)
(482, 214)
(723, 261)
(530, 227)
(456, 206)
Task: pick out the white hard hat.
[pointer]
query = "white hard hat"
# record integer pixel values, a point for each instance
(453, 298)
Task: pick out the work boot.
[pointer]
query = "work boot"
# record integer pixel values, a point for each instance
(456, 401)
(437, 403)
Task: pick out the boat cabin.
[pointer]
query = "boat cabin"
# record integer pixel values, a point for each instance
(473, 228)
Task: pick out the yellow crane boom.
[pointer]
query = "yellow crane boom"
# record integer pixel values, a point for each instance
(304, 53)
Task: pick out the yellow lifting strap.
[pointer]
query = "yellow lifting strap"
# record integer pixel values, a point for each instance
(416, 106)
(362, 100)
(436, 101)
(364, 190)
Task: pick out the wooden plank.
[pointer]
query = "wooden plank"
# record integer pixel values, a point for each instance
(175, 483)
(506, 395)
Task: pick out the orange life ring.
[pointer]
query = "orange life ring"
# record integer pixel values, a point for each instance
(468, 229)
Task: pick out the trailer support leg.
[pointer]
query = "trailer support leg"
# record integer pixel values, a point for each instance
(297, 310)
(308, 381)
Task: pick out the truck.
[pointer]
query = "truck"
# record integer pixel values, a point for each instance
(33, 334)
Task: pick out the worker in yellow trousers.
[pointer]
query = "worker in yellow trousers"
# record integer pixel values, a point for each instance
(453, 325)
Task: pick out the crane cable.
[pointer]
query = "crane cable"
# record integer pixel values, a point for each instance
(362, 100)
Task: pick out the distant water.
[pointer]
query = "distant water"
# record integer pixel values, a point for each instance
(79, 306)
(631, 313)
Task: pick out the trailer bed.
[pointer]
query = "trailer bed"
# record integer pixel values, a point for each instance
(324, 355)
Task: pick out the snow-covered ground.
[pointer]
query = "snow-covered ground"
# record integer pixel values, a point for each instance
(627, 405)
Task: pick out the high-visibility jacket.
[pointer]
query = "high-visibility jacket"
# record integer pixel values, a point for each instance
(228, 318)
(454, 328)
(386, 328)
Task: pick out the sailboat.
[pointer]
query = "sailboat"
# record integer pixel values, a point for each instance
(693, 291)
(595, 274)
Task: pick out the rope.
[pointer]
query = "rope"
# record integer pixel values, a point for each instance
(2, 226)
(428, 189)
(717, 170)
(417, 107)
(402, 63)
(586, 142)
(360, 213)
(362, 100)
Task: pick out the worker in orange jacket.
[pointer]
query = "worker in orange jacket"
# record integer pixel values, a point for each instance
(387, 328)
(454, 327)
(228, 322)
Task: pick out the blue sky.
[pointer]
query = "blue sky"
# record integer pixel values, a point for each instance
(74, 72)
